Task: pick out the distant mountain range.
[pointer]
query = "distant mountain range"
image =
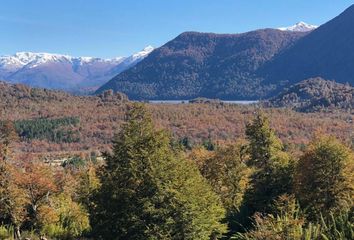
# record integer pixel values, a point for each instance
(86, 74)
(56, 71)
(249, 66)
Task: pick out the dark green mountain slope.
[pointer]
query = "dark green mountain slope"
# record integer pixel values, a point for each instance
(204, 65)
(327, 52)
(315, 94)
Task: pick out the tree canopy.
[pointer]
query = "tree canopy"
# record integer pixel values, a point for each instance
(150, 192)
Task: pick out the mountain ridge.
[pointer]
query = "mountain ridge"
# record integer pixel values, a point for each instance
(248, 66)
(326, 52)
(197, 64)
(64, 72)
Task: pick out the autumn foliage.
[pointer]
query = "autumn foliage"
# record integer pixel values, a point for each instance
(154, 184)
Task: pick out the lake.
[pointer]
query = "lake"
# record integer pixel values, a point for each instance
(187, 101)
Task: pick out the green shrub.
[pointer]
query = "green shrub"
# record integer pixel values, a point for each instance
(338, 227)
(6, 233)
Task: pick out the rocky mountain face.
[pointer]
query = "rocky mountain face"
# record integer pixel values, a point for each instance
(55, 71)
(205, 65)
(315, 94)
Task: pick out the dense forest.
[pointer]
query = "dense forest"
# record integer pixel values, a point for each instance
(152, 185)
(205, 65)
(97, 118)
(316, 94)
(47, 129)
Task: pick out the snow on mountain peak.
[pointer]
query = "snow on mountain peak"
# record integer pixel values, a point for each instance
(146, 51)
(28, 57)
(32, 60)
(148, 48)
(139, 55)
(299, 27)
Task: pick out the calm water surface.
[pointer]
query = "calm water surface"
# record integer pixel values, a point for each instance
(187, 101)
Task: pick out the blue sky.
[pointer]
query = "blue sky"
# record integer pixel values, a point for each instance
(108, 28)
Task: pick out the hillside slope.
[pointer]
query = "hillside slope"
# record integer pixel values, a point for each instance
(326, 52)
(251, 65)
(204, 65)
(316, 94)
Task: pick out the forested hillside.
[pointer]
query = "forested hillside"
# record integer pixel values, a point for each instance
(204, 65)
(253, 65)
(97, 118)
(151, 187)
(326, 52)
(316, 94)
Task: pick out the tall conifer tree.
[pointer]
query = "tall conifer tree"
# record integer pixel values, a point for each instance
(148, 192)
(273, 167)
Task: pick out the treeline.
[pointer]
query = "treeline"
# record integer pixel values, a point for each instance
(100, 116)
(151, 187)
(204, 64)
(54, 130)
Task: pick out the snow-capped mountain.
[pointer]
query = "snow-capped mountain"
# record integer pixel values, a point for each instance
(299, 27)
(139, 55)
(57, 71)
(30, 59)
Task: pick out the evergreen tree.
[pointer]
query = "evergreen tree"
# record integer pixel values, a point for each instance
(264, 146)
(148, 192)
(226, 171)
(273, 167)
(324, 177)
